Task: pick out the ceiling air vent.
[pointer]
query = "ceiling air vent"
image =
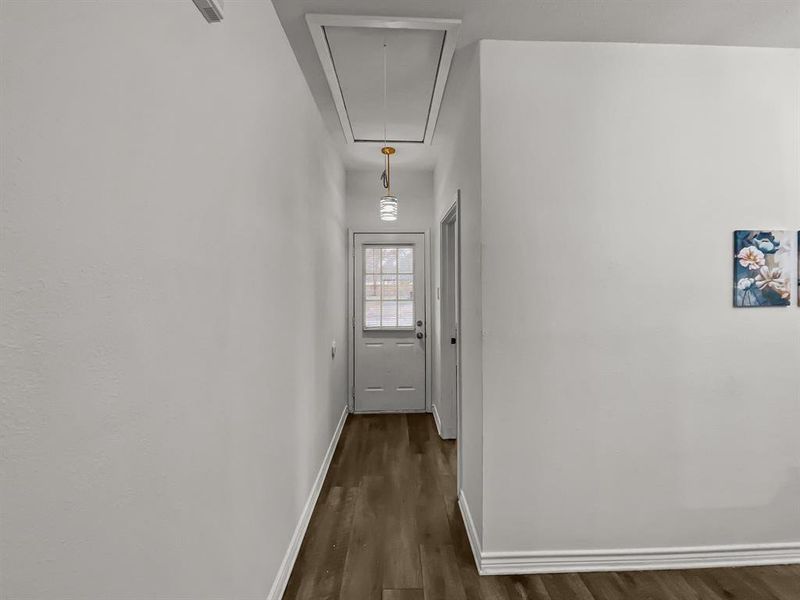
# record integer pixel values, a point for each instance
(211, 9)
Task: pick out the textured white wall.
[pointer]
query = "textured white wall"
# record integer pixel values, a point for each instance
(173, 259)
(414, 190)
(457, 141)
(626, 403)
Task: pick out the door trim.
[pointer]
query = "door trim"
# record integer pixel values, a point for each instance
(453, 216)
(351, 312)
(449, 252)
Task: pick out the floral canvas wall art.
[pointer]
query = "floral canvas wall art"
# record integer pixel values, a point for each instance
(762, 268)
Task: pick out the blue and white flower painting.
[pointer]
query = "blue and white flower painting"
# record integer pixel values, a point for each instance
(761, 268)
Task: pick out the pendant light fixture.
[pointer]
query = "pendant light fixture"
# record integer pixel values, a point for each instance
(387, 208)
(388, 204)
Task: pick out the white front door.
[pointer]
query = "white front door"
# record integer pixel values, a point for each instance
(390, 322)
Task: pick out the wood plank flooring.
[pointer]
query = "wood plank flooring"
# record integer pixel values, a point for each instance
(387, 527)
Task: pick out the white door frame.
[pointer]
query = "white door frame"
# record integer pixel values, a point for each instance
(351, 313)
(452, 216)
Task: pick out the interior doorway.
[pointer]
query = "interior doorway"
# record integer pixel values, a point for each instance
(389, 323)
(450, 311)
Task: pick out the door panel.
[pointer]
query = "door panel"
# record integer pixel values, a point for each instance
(390, 322)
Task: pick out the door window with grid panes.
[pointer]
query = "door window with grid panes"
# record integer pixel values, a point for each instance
(388, 287)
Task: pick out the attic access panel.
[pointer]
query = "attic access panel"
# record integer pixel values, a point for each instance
(420, 52)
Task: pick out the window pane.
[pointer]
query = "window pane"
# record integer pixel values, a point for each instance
(389, 260)
(372, 314)
(372, 260)
(405, 314)
(389, 287)
(372, 290)
(405, 260)
(405, 287)
(389, 314)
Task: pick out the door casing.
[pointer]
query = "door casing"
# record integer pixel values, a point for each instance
(351, 314)
(449, 316)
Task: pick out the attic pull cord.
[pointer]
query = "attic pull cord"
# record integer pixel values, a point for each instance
(385, 176)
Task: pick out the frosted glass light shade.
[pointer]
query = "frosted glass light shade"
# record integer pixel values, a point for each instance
(388, 208)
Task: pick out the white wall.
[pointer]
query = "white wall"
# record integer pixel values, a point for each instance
(457, 140)
(626, 404)
(173, 259)
(414, 191)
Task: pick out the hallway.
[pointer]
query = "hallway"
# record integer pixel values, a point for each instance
(387, 527)
(260, 256)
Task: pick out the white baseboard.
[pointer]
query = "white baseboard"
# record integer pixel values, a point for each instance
(638, 559)
(437, 420)
(282, 578)
(626, 559)
(401, 411)
(444, 432)
(472, 532)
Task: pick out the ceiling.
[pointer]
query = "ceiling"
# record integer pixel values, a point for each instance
(773, 23)
(412, 64)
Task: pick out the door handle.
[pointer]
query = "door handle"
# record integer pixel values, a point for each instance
(452, 340)
(420, 335)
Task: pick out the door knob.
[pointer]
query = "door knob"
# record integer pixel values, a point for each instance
(419, 323)
(420, 335)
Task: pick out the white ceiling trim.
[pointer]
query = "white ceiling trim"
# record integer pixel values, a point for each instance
(450, 27)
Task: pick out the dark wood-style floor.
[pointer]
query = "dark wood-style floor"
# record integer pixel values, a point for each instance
(387, 527)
